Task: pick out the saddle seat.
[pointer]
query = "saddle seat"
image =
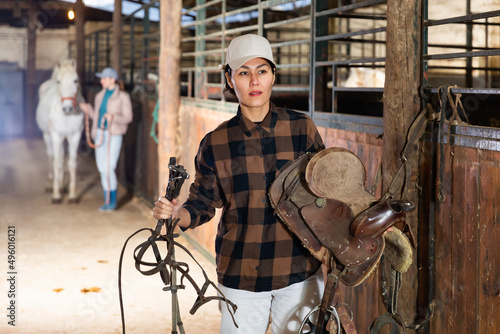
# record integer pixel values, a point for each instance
(322, 199)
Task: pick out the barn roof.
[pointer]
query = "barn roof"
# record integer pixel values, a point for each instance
(51, 14)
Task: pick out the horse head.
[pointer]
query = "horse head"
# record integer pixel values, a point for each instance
(67, 84)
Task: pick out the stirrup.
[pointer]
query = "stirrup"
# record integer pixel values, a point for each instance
(311, 325)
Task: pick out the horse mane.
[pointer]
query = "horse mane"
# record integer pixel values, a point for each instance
(62, 64)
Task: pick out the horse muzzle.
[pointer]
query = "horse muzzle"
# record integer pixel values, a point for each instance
(68, 110)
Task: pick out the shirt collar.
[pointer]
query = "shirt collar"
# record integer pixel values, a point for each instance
(266, 125)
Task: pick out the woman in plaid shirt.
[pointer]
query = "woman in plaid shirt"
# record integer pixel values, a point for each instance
(261, 265)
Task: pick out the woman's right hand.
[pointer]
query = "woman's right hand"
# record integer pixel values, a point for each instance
(165, 209)
(84, 107)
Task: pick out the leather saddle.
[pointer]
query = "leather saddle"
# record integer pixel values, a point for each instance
(322, 199)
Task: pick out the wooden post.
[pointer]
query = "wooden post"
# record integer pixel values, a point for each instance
(169, 86)
(80, 44)
(401, 105)
(31, 86)
(116, 49)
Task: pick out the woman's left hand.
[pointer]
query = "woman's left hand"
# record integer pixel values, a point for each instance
(108, 117)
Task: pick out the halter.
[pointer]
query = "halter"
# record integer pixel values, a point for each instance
(73, 98)
(76, 110)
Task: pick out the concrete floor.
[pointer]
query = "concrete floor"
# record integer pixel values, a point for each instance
(66, 248)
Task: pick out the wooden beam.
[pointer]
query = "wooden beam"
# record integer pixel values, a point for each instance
(401, 105)
(116, 46)
(80, 43)
(169, 87)
(10, 4)
(31, 84)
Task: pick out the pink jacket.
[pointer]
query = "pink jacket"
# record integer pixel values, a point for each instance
(119, 105)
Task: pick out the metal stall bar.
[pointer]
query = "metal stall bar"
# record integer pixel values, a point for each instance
(214, 36)
(145, 44)
(463, 19)
(461, 135)
(347, 37)
(200, 90)
(471, 52)
(494, 52)
(132, 50)
(343, 9)
(223, 49)
(94, 50)
(203, 5)
(350, 34)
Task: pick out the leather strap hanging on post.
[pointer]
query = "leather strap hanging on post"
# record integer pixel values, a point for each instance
(443, 100)
(400, 182)
(415, 132)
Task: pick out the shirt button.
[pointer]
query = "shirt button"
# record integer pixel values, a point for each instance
(263, 200)
(258, 245)
(258, 128)
(261, 155)
(264, 177)
(256, 267)
(261, 222)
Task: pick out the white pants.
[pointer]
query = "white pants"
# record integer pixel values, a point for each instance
(109, 180)
(287, 307)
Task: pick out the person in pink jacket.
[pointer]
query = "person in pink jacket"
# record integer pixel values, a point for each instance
(110, 116)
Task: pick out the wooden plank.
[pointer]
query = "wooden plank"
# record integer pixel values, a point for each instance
(489, 236)
(425, 235)
(443, 316)
(464, 247)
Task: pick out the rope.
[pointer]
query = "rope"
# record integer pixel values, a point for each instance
(94, 146)
(456, 119)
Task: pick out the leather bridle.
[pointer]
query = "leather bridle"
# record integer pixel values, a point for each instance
(167, 266)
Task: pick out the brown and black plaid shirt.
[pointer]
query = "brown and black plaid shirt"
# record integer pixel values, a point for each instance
(235, 165)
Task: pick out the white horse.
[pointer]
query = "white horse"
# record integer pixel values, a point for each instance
(59, 118)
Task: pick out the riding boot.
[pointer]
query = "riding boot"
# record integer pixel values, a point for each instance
(112, 201)
(105, 206)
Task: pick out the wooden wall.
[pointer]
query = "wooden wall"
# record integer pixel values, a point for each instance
(467, 233)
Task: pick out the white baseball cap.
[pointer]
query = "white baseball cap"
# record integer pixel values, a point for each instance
(246, 47)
